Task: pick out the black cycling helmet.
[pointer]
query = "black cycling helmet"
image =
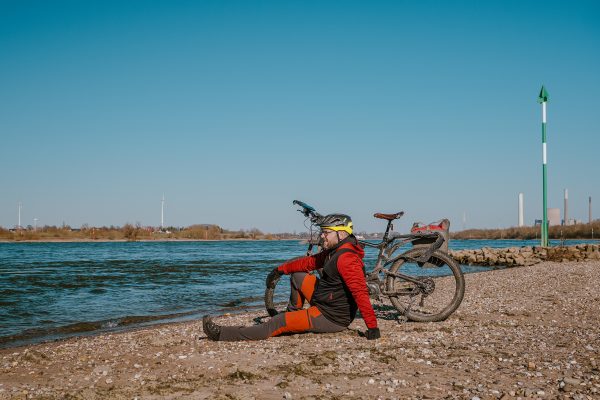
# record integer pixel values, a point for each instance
(336, 222)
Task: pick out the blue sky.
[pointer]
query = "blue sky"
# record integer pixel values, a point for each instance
(234, 109)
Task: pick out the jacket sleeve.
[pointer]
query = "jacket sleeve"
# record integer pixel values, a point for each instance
(350, 268)
(304, 264)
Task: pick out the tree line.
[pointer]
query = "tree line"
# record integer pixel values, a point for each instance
(579, 231)
(131, 232)
(135, 232)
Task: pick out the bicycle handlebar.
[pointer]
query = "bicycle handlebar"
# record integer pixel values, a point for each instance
(303, 205)
(308, 211)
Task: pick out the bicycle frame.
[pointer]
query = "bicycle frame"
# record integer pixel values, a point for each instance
(387, 247)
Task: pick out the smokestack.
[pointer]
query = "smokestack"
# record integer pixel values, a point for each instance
(521, 209)
(566, 209)
(590, 210)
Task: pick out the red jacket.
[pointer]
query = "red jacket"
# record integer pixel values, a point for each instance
(342, 288)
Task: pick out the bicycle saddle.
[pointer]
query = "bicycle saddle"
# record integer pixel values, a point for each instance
(389, 217)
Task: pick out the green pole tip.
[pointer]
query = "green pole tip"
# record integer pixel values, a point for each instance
(543, 97)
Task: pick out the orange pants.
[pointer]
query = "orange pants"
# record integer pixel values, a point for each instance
(295, 320)
(302, 289)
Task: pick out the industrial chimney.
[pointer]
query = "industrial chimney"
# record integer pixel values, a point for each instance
(566, 209)
(521, 209)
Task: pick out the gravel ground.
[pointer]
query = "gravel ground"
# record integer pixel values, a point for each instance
(530, 332)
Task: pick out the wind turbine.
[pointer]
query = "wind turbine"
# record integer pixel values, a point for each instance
(162, 213)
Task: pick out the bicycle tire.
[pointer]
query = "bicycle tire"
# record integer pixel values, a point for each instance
(451, 287)
(269, 294)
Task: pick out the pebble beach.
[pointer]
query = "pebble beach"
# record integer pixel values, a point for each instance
(526, 332)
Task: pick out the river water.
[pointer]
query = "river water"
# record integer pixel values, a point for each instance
(56, 290)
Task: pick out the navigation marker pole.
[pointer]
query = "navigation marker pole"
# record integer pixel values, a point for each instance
(543, 99)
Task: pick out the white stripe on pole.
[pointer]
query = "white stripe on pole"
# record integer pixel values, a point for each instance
(544, 112)
(544, 151)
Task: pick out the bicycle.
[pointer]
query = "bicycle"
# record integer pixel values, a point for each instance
(423, 272)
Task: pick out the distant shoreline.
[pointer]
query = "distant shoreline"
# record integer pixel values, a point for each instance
(142, 240)
(75, 240)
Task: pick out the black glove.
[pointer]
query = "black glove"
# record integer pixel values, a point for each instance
(273, 277)
(372, 333)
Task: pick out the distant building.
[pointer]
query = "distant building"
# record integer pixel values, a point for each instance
(554, 216)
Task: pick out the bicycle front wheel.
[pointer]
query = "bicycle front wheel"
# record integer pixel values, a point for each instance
(270, 296)
(437, 290)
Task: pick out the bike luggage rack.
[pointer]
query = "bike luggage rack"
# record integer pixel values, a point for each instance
(430, 241)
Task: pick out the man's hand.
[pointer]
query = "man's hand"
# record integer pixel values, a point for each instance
(372, 333)
(273, 277)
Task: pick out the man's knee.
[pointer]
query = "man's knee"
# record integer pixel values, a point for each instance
(296, 279)
(293, 322)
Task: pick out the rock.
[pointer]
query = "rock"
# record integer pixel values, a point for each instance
(568, 384)
(523, 256)
(519, 260)
(571, 381)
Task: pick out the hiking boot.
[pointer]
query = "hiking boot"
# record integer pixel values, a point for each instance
(211, 329)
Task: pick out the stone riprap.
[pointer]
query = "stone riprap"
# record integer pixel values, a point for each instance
(526, 255)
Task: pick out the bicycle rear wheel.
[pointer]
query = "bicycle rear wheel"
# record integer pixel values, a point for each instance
(438, 293)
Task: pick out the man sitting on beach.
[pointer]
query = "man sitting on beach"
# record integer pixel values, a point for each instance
(334, 299)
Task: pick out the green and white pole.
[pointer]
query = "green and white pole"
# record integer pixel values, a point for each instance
(543, 99)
